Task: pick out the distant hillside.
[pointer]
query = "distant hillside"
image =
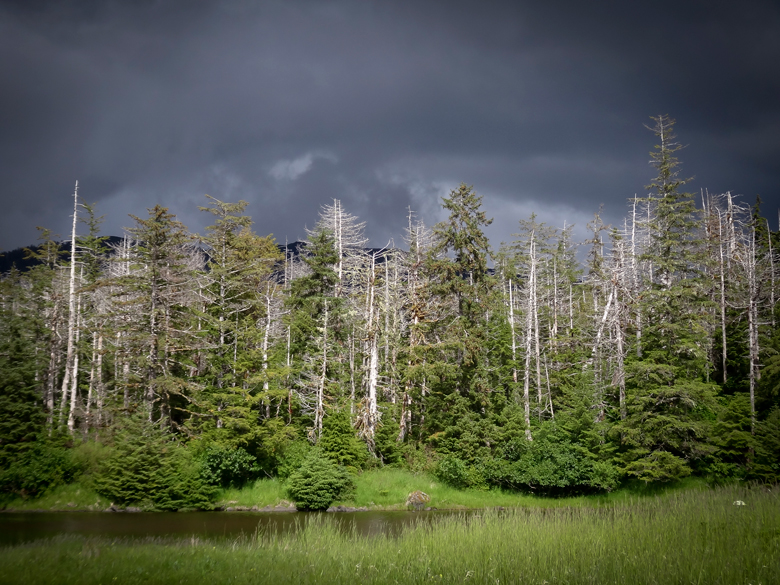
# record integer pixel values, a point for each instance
(17, 257)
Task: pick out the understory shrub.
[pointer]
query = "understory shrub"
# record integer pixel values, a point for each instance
(148, 467)
(554, 466)
(35, 470)
(318, 482)
(658, 466)
(550, 464)
(294, 455)
(226, 467)
(458, 473)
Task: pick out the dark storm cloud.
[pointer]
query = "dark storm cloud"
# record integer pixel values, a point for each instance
(382, 105)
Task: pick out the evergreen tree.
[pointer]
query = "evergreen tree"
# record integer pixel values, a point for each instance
(669, 402)
(156, 298)
(22, 416)
(458, 263)
(316, 329)
(239, 308)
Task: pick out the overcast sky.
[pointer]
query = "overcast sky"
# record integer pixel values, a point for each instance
(541, 106)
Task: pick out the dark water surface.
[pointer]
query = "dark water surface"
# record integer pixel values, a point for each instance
(19, 527)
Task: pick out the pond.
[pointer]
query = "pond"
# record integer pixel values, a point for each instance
(19, 527)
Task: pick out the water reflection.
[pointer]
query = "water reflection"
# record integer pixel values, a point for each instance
(17, 527)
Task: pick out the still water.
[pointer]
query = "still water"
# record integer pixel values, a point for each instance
(22, 527)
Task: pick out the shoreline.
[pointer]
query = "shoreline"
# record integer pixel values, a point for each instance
(268, 509)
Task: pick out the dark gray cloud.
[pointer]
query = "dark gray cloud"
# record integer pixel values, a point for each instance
(384, 105)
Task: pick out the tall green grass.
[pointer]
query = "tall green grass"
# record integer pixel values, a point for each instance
(72, 496)
(691, 537)
(385, 488)
(389, 487)
(263, 492)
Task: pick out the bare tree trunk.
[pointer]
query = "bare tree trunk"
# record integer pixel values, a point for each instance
(722, 299)
(753, 328)
(99, 386)
(635, 280)
(352, 374)
(771, 273)
(91, 389)
(265, 337)
(339, 236)
(387, 312)
(288, 362)
(373, 355)
(537, 345)
(600, 330)
(549, 390)
(555, 303)
(528, 342)
(512, 328)
(67, 385)
(151, 373)
(620, 372)
(319, 412)
(75, 373)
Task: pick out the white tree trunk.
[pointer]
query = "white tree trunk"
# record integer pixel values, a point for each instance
(68, 387)
(528, 343)
(753, 327)
(722, 298)
(319, 412)
(75, 372)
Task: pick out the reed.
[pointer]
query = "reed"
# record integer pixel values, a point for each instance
(690, 537)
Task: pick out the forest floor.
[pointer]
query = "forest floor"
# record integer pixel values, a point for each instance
(378, 489)
(724, 535)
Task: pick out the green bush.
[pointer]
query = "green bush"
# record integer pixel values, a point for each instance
(658, 466)
(293, 457)
(225, 467)
(457, 473)
(37, 469)
(553, 465)
(550, 464)
(418, 458)
(318, 483)
(147, 467)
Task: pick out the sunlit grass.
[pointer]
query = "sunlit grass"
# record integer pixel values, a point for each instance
(384, 488)
(693, 536)
(260, 493)
(74, 496)
(389, 488)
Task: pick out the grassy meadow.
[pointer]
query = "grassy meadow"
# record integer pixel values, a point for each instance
(385, 488)
(689, 536)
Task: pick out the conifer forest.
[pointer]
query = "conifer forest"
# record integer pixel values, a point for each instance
(649, 352)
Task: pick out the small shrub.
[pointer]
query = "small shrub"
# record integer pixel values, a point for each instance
(294, 455)
(457, 473)
(37, 469)
(318, 483)
(658, 466)
(418, 458)
(225, 467)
